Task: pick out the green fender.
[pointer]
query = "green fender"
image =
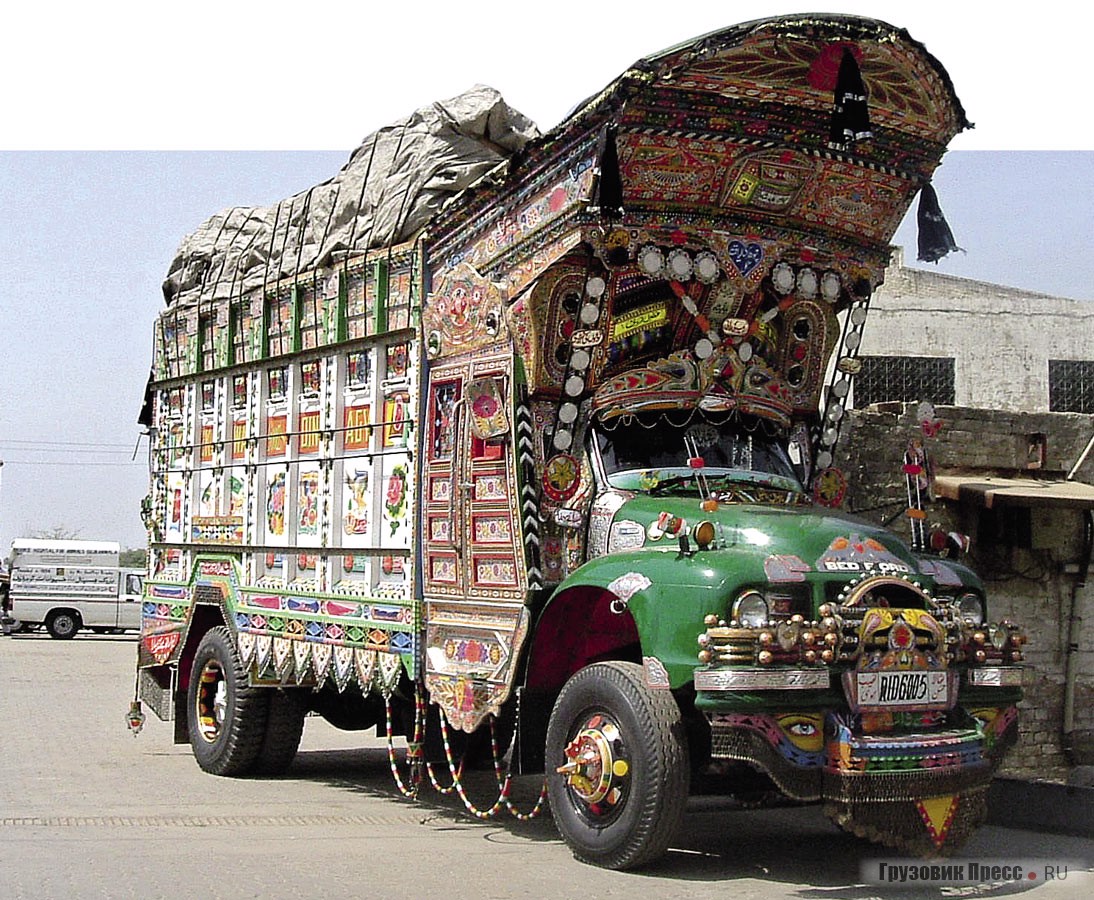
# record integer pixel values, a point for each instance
(667, 594)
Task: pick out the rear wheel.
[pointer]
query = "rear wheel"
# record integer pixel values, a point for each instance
(284, 727)
(227, 717)
(617, 766)
(63, 624)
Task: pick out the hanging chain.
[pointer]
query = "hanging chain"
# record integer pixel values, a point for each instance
(413, 748)
(415, 760)
(504, 781)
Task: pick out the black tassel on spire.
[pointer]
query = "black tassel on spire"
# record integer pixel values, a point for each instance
(850, 115)
(610, 190)
(935, 237)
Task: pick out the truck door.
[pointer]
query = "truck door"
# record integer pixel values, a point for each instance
(474, 571)
(129, 602)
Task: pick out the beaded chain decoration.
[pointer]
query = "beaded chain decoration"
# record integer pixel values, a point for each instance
(415, 757)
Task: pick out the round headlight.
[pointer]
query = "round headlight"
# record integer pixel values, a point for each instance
(750, 609)
(970, 607)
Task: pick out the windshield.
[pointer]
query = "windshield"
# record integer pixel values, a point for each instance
(641, 455)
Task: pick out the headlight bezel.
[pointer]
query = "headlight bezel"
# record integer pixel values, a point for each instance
(966, 600)
(751, 609)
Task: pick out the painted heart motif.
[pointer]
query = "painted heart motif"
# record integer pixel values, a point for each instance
(745, 256)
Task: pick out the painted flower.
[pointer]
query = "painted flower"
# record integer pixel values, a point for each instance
(484, 406)
(394, 489)
(395, 497)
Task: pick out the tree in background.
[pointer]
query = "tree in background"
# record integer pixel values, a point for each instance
(133, 559)
(56, 533)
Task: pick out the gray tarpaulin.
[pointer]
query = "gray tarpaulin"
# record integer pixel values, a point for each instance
(393, 184)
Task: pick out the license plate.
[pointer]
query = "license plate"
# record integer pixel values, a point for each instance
(920, 689)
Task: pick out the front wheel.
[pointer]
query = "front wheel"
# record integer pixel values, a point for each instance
(617, 766)
(227, 716)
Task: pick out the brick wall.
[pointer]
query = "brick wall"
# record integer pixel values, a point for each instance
(1033, 586)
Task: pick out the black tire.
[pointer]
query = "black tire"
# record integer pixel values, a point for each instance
(630, 814)
(284, 727)
(226, 716)
(63, 624)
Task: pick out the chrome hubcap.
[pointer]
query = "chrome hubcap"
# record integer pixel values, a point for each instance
(597, 767)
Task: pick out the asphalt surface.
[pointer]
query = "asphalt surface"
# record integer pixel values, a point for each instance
(88, 810)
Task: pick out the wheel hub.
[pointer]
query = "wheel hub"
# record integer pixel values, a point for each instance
(596, 764)
(212, 699)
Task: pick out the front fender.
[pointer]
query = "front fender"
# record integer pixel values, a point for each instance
(667, 594)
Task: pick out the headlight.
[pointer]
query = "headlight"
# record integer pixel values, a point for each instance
(970, 608)
(750, 610)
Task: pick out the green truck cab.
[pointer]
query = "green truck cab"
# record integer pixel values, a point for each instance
(553, 458)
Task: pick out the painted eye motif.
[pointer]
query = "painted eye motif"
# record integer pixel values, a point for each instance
(803, 730)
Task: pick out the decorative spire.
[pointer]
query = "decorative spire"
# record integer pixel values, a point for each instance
(610, 191)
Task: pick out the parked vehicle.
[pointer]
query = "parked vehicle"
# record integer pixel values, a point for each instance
(67, 585)
(555, 454)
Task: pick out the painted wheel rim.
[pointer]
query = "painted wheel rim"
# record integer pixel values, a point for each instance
(597, 768)
(212, 701)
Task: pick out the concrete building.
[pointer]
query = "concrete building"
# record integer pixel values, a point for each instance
(977, 345)
(1011, 377)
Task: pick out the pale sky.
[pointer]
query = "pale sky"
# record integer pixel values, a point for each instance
(86, 237)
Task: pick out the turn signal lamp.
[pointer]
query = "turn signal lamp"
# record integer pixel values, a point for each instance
(703, 535)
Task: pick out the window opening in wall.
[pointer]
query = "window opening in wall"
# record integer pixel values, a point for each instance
(905, 378)
(360, 319)
(279, 324)
(311, 316)
(1071, 385)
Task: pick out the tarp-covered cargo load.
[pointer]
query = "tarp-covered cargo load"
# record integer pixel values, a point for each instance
(394, 183)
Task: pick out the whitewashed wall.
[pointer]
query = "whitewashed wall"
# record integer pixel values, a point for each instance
(1000, 338)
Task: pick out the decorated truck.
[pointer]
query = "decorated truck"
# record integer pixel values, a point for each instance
(526, 443)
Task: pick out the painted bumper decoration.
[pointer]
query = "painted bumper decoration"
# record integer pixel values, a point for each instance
(878, 732)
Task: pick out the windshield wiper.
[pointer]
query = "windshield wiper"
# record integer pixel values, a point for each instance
(666, 484)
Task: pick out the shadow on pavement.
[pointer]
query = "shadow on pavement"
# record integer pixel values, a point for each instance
(719, 840)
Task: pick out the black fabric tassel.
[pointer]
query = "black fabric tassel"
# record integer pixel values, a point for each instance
(851, 115)
(610, 191)
(144, 417)
(935, 238)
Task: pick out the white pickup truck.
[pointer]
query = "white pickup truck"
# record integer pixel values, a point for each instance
(67, 585)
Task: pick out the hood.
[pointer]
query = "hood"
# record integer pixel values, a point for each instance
(791, 538)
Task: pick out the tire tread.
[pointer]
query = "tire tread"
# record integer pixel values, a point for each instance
(284, 728)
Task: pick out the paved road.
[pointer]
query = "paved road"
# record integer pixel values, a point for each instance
(87, 810)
